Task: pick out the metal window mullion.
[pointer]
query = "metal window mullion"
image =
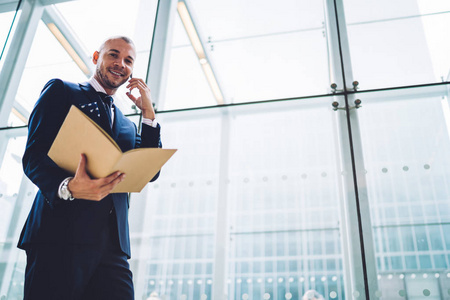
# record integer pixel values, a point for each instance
(16, 57)
(358, 238)
(221, 253)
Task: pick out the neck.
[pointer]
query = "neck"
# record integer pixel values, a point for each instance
(108, 90)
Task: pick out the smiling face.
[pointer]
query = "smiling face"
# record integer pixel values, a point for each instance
(115, 61)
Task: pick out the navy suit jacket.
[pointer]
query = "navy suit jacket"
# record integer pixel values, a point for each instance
(56, 221)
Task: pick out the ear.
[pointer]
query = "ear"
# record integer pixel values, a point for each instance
(95, 57)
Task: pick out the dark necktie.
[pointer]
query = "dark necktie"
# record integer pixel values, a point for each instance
(107, 103)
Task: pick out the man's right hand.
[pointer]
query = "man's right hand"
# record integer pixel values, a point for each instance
(83, 187)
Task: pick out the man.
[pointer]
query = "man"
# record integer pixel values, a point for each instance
(76, 235)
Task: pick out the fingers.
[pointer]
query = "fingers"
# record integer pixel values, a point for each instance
(112, 178)
(137, 83)
(95, 189)
(83, 187)
(109, 183)
(132, 98)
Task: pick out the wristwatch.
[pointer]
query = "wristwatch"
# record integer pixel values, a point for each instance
(64, 190)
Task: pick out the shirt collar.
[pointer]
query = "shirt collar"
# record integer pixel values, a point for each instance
(98, 87)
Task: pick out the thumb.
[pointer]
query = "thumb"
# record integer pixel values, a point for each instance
(81, 169)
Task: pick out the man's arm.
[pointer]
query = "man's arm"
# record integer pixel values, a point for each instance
(150, 135)
(45, 120)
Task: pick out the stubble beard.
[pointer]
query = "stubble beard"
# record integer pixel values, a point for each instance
(104, 79)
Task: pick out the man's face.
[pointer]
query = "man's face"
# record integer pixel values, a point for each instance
(114, 64)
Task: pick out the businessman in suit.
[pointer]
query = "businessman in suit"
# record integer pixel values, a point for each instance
(76, 236)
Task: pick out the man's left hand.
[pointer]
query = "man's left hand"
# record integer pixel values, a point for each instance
(144, 102)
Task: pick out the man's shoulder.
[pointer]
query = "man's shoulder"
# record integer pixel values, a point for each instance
(59, 83)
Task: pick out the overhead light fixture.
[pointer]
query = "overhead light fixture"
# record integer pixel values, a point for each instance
(69, 49)
(198, 48)
(213, 82)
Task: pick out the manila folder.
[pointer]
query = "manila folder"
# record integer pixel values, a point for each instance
(80, 134)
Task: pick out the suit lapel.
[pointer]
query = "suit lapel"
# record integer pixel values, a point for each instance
(93, 96)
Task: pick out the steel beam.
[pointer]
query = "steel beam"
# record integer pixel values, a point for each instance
(158, 62)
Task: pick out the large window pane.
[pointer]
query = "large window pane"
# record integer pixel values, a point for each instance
(16, 195)
(42, 66)
(173, 220)
(257, 51)
(283, 199)
(406, 141)
(284, 202)
(402, 45)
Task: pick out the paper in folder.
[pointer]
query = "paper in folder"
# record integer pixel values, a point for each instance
(79, 134)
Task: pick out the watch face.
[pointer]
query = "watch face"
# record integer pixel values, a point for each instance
(65, 192)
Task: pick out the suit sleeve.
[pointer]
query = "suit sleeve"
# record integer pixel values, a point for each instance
(45, 120)
(150, 138)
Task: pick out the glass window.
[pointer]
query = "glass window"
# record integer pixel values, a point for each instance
(40, 68)
(436, 238)
(251, 59)
(425, 262)
(407, 239)
(406, 39)
(405, 154)
(140, 16)
(411, 262)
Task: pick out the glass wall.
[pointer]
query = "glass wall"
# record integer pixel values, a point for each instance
(291, 185)
(405, 136)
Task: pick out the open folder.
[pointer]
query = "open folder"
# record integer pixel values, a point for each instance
(80, 134)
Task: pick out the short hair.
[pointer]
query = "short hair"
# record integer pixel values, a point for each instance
(117, 37)
(312, 294)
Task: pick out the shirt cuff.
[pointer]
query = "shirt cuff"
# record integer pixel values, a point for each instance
(150, 122)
